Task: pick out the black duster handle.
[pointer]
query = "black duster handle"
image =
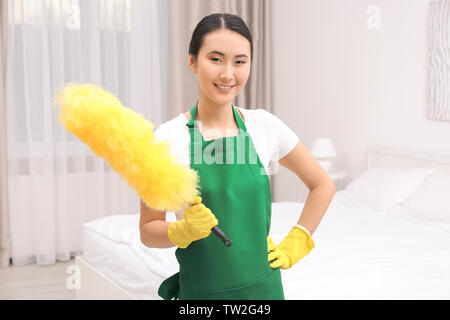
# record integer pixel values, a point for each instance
(219, 234)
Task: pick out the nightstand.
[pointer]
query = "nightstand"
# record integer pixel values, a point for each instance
(338, 178)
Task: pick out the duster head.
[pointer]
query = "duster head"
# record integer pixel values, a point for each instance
(125, 139)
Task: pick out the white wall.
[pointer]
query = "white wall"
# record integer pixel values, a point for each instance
(333, 77)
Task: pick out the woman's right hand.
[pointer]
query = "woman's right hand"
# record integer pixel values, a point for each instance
(197, 224)
(199, 219)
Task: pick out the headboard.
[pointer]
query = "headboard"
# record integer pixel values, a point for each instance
(387, 157)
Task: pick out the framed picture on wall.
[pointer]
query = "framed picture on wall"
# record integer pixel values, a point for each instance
(438, 82)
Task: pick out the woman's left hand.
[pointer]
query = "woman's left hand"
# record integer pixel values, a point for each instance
(294, 247)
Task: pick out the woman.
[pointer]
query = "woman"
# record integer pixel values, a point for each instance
(230, 148)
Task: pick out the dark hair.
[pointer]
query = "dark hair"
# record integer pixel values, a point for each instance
(214, 22)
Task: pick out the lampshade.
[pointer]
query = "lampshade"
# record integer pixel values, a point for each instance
(323, 148)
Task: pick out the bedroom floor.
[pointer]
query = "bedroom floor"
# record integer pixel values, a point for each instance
(33, 282)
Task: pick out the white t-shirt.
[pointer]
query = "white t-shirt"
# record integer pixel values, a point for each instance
(271, 137)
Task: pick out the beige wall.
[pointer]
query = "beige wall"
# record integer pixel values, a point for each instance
(333, 77)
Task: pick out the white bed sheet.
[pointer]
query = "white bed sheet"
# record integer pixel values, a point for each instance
(112, 246)
(360, 253)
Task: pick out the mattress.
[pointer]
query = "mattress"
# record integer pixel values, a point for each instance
(360, 253)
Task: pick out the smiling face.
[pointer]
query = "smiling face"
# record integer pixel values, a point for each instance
(223, 60)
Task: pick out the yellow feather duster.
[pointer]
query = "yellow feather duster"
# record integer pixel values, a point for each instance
(126, 141)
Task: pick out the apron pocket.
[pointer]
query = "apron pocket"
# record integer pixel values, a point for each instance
(270, 288)
(170, 287)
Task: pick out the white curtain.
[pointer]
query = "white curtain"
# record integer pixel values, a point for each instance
(55, 183)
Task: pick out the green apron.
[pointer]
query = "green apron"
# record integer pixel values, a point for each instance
(236, 188)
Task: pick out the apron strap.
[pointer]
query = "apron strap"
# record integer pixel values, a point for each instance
(191, 122)
(239, 120)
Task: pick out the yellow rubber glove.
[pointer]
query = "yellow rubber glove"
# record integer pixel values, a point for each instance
(197, 224)
(297, 244)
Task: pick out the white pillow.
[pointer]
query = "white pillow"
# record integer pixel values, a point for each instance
(384, 188)
(431, 202)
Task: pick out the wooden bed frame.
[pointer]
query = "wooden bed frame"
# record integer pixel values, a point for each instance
(95, 285)
(383, 157)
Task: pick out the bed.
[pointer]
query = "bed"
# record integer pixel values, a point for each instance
(385, 236)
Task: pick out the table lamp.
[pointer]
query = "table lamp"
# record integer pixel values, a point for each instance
(324, 152)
